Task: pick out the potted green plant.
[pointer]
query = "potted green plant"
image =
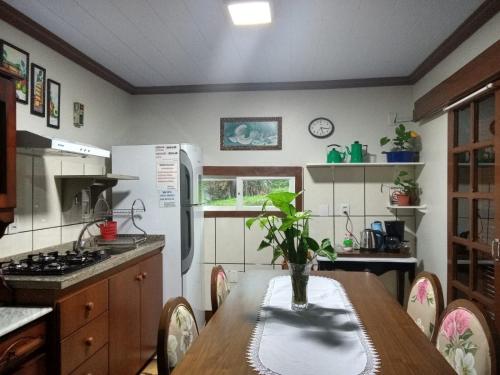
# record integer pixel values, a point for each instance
(408, 192)
(288, 236)
(405, 145)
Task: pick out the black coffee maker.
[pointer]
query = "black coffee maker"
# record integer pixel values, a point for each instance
(394, 234)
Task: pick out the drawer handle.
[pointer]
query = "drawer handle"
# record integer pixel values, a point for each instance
(144, 275)
(89, 341)
(21, 347)
(89, 306)
(138, 277)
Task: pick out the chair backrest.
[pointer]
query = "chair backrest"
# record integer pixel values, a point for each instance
(425, 303)
(219, 287)
(176, 333)
(465, 340)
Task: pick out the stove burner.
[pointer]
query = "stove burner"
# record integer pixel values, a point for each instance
(53, 263)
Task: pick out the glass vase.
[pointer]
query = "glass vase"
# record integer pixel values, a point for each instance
(299, 274)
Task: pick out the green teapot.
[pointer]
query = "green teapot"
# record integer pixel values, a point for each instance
(356, 152)
(335, 156)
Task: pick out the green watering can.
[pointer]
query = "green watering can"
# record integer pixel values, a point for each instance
(356, 152)
(334, 156)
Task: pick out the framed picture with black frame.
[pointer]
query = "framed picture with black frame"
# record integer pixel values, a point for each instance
(37, 92)
(17, 61)
(53, 104)
(250, 133)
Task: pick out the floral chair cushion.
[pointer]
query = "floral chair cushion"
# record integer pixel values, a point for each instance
(463, 342)
(422, 306)
(182, 332)
(222, 287)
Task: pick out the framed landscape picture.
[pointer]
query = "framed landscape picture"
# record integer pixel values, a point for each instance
(53, 104)
(250, 133)
(37, 90)
(17, 61)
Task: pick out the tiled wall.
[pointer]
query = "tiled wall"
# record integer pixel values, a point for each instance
(229, 243)
(40, 220)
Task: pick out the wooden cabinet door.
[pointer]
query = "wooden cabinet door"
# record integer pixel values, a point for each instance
(124, 322)
(7, 152)
(151, 304)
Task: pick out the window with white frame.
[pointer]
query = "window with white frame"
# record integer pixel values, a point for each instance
(243, 189)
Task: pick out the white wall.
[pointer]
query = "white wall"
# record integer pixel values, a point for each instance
(431, 229)
(40, 220)
(106, 107)
(358, 114)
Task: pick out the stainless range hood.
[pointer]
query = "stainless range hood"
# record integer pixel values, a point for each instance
(35, 144)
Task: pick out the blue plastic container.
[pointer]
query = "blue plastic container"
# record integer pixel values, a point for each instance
(401, 156)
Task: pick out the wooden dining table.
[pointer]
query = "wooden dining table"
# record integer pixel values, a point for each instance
(222, 345)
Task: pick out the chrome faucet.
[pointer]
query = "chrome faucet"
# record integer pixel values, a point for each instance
(80, 242)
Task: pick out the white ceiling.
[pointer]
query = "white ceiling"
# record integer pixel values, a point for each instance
(184, 42)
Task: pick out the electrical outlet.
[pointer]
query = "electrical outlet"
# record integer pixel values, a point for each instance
(343, 208)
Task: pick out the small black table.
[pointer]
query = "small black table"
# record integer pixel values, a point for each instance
(377, 263)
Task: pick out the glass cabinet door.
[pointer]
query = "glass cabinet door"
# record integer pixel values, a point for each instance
(473, 228)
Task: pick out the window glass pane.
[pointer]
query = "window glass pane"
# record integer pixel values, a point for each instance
(462, 161)
(255, 190)
(486, 118)
(485, 276)
(463, 132)
(485, 220)
(462, 228)
(461, 257)
(485, 169)
(219, 191)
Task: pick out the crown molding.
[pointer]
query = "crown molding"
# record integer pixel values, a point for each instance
(25, 24)
(477, 19)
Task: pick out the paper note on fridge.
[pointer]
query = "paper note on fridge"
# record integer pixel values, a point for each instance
(167, 161)
(167, 198)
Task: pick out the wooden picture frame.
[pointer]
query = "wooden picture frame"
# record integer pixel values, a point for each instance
(250, 133)
(17, 61)
(53, 104)
(37, 92)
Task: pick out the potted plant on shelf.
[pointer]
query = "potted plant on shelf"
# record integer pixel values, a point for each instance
(288, 236)
(408, 193)
(405, 146)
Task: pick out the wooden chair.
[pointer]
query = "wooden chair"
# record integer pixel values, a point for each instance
(219, 287)
(176, 332)
(465, 340)
(425, 303)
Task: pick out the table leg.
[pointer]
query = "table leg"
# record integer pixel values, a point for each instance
(400, 286)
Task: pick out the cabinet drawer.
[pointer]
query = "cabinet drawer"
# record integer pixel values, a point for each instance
(21, 344)
(37, 366)
(95, 365)
(82, 344)
(77, 310)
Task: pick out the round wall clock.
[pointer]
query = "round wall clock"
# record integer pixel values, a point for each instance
(321, 127)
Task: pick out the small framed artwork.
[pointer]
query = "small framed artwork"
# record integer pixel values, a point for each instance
(250, 133)
(53, 104)
(37, 94)
(17, 61)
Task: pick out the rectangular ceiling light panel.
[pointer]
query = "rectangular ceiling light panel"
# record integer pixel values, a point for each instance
(244, 13)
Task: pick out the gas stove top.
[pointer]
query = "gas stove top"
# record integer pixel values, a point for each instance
(53, 263)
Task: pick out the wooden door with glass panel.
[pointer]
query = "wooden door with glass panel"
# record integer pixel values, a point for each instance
(473, 206)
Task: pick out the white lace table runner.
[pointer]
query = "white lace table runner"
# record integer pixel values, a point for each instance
(327, 338)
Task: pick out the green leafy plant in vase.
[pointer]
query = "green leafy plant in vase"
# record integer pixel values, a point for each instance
(408, 189)
(288, 236)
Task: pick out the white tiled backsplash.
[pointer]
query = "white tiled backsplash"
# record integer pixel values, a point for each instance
(39, 219)
(228, 242)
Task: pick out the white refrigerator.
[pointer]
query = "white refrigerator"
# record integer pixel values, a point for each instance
(170, 186)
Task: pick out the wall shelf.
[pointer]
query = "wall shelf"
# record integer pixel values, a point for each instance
(421, 208)
(347, 165)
